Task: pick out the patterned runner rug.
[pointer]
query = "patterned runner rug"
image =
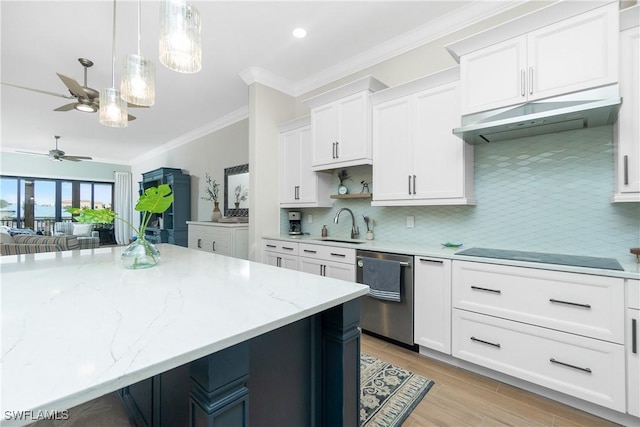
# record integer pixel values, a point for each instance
(388, 393)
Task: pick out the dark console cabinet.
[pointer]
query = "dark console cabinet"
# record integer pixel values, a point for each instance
(170, 226)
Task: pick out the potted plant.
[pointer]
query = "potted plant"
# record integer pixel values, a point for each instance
(141, 253)
(211, 192)
(241, 195)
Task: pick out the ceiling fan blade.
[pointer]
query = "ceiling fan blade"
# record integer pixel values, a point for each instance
(73, 86)
(130, 117)
(39, 91)
(130, 105)
(66, 107)
(75, 158)
(32, 153)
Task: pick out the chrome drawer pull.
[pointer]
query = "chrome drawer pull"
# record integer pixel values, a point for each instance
(287, 248)
(552, 360)
(478, 288)
(269, 246)
(435, 261)
(576, 304)
(199, 243)
(310, 251)
(485, 342)
(634, 336)
(340, 255)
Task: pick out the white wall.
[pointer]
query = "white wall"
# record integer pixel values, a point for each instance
(15, 164)
(211, 153)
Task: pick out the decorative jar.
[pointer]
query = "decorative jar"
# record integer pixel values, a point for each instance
(216, 214)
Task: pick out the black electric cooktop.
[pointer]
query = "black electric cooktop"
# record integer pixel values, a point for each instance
(546, 258)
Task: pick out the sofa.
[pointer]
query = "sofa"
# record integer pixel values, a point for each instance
(23, 241)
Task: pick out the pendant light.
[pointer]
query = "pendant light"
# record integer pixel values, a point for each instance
(180, 38)
(113, 109)
(137, 85)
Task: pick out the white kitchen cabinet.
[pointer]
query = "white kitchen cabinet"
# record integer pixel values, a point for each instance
(329, 261)
(341, 125)
(633, 347)
(299, 185)
(432, 303)
(577, 53)
(417, 159)
(280, 253)
(627, 129)
(220, 238)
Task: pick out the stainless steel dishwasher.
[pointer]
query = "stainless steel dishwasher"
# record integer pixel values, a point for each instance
(388, 319)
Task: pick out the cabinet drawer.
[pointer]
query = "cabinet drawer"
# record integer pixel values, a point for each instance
(578, 303)
(329, 253)
(280, 246)
(633, 294)
(585, 368)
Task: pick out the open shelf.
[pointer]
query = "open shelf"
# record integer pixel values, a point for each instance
(351, 196)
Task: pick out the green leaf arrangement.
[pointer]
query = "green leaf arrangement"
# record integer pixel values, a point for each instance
(154, 200)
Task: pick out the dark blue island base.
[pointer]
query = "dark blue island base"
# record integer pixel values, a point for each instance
(303, 374)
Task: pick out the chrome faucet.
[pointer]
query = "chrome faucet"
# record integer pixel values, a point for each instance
(355, 232)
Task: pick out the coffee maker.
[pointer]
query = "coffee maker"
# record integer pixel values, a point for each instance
(295, 219)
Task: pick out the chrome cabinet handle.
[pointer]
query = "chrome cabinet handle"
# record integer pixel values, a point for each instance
(337, 152)
(523, 80)
(478, 288)
(530, 80)
(269, 246)
(323, 270)
(435, 261)
(287, 248)
(200, 243)
(309, 251)
(339, 255)
(497, 345)
(213, 246)
(414, 184)
(626, 170)
(557, 362)
(278, 261)
(575, 304)
(634, 336)
(409, 184)
(333, 150)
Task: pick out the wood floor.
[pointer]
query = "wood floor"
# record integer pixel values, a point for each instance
(462, 398)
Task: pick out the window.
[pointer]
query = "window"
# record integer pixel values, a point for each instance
(37, 203)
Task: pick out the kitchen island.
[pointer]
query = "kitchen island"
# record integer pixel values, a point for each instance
(76, 325)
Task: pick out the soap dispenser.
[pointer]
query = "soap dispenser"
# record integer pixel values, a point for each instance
(325, 232)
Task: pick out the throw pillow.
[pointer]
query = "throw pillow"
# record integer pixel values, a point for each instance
(82, 230)
(5, 237)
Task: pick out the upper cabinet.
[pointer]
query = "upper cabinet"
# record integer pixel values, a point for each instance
(417, 159)
(341, 125)
(576, 53)
(300, 186)
(627, 129)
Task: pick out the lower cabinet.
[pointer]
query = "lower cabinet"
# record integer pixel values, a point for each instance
(329, 261)
(280, 253)
(432, 300)
(220, 238)
(633, 347)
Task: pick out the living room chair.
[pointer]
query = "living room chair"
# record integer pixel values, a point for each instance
(87, 238)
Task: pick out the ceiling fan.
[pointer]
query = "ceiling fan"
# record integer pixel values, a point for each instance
(57, 155)
(86, 99)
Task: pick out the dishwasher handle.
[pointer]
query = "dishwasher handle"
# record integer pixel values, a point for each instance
(359, 262)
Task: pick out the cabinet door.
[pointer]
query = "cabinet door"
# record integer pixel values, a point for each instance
(628, 125)
(353, 136)
(311, 265)
(289, 262)
(307, 178)
(633, 362)
(271, 258)
(290, 166)
(392, 151)
(324, 122)
(432, 316)
(574, 54)
(339, 270)
(438, 155)
(494, 76)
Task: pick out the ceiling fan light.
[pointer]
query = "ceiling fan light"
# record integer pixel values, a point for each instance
(180, 36)
(113, 109)
(137, 85)
(85, 107)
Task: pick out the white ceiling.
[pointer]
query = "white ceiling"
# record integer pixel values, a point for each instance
(40, 38)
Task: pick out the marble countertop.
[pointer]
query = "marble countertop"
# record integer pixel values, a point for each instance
(631, 267)
(77, 325)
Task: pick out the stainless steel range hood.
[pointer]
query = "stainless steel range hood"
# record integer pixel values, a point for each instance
(589, 108)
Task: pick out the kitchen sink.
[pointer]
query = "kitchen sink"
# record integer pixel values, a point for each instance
(355, 242)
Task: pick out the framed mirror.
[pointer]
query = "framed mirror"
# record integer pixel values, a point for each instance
(236, 191)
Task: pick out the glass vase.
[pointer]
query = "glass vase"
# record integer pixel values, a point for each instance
(216, 214)
(141, 253)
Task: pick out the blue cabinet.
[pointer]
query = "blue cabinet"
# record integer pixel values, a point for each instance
(171, 225)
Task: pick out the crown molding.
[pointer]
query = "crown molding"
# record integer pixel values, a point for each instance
(268, 78)
(229, 119)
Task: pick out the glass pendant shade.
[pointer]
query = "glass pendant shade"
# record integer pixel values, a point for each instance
(180, 38)
(137, 85)
(113, 109)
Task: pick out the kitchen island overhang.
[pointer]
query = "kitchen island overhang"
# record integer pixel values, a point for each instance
(76, 325)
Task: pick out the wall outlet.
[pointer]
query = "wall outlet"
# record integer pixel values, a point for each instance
(411, 221)
(309, 218)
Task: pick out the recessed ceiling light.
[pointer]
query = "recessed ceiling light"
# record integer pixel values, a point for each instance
(300, 33)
